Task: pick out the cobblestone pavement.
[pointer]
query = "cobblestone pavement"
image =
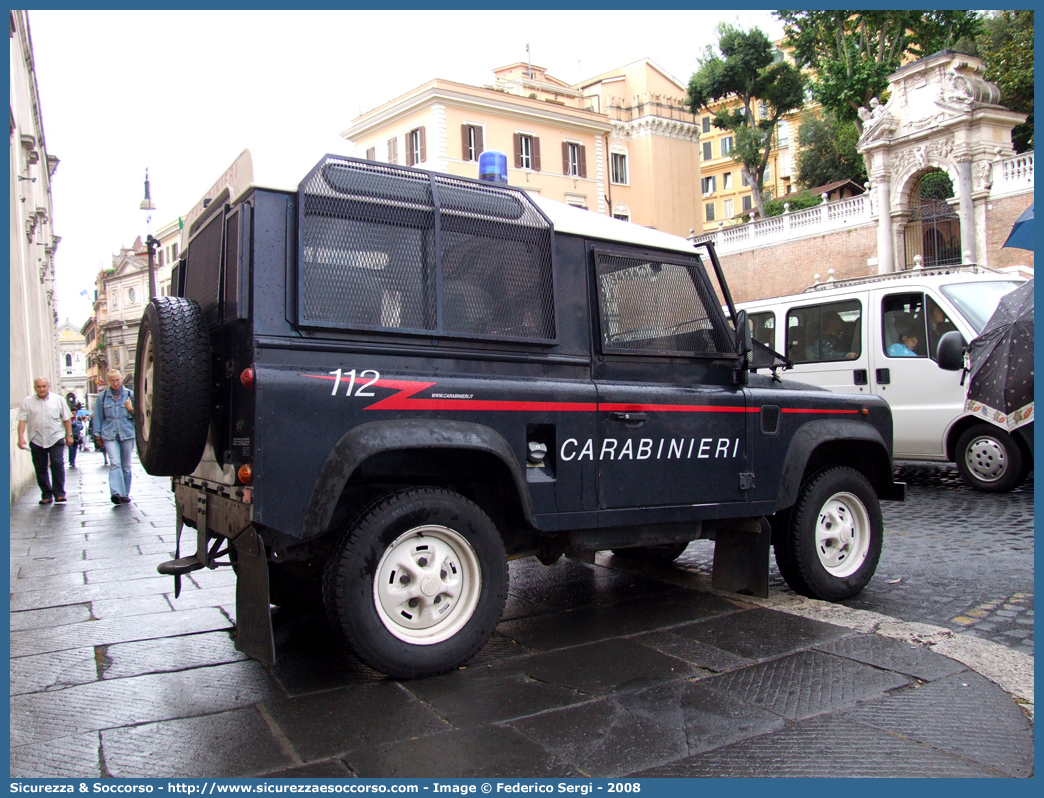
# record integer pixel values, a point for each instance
(594, 671)
(952, 557)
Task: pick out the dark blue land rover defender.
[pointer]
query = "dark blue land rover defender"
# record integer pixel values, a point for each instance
(376, 389)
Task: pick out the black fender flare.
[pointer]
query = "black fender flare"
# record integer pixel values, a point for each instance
(814, 434)
(368, 439)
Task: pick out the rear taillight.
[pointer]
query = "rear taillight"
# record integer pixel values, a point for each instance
(245, 473)
(246, 376)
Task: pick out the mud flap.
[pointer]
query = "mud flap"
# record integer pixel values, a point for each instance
(254, 635)
(741, 560)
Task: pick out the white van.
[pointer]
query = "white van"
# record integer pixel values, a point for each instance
(879, 335)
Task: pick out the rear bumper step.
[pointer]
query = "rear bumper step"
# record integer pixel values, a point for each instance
(180, 566)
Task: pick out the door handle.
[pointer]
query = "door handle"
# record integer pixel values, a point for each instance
(629, 417)
(883, 376)
(859, 377)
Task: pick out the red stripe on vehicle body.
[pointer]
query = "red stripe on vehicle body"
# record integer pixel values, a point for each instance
(403, 400)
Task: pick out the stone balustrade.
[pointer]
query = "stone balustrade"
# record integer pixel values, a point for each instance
(1012, 175)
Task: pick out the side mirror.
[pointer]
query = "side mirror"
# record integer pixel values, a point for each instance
(743, 338)
(745, 345)
(950, 353)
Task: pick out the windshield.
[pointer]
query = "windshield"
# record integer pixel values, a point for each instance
(977, 301)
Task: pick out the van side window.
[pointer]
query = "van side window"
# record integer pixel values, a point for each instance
(818, 333)
(658, 306)
(903, 326)
(763, 328)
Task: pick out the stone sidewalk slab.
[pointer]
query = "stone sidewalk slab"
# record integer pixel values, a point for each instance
(596, 670)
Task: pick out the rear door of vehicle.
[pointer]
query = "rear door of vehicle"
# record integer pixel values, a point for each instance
(672, 428)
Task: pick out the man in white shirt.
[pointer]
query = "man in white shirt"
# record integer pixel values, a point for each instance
(45, 415)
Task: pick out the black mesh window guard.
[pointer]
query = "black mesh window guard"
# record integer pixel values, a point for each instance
(403, 250)
(658, 304)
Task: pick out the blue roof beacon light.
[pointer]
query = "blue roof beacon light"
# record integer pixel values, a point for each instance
(493, 166)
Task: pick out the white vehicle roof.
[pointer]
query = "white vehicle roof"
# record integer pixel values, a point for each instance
(933, 275)
(577, 221)
(241, 177)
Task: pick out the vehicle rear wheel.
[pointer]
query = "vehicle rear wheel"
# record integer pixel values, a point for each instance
(830, 542)
(989, 459)
(172, 386)
(417, 583)
(662, 554)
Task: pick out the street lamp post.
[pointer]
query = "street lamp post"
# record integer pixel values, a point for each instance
(150, 243)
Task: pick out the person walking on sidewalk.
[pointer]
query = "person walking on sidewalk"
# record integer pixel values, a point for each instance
(114, 425)
(46, 416)
(77, 431)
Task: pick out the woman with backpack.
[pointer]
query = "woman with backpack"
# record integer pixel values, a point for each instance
(114, 426)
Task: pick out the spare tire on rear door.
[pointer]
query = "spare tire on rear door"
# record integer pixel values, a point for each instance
(172, 382)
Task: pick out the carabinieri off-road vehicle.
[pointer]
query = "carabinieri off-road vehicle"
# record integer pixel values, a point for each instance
(376, 389)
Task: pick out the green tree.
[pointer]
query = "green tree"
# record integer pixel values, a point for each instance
(827, 152)
(745, 68)
(852, 53)
(1006, 48)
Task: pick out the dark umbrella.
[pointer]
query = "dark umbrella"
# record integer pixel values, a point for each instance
(1000, 386)
(1021, 235)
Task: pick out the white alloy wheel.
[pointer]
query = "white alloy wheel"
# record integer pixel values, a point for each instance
(986, 458)
(842, 534)
(427, 585)
(148, 365)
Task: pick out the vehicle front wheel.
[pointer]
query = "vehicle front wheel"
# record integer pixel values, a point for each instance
(417, 583)
(830, 541)
(662, 554)
(989, 459)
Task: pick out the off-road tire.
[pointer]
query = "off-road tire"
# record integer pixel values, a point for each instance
(384, 539)
(803, 544)
(172, 386)
(990, 460)
(660, 554)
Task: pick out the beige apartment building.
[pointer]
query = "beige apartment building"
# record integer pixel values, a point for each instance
(621, 143)
(726, 195)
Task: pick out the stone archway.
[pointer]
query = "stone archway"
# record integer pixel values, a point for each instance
(941, 114)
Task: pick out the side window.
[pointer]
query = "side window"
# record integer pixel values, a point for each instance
(903, 325)
(823, 333)
(658, 305)
(763, 328)
(938, 325)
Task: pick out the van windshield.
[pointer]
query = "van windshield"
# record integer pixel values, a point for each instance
(977, 301)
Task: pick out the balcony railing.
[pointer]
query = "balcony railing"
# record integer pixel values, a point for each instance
(1013, 175)
(825, 218)
(663, 110)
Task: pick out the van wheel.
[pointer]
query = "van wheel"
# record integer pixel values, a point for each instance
(172, 386)
(662, 554)
(989, 459)
(417, 582)
(830, 543)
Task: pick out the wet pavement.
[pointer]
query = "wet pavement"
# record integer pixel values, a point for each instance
(952, 557)
(593, 671)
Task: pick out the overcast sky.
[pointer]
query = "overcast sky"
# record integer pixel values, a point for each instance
(184, 92)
